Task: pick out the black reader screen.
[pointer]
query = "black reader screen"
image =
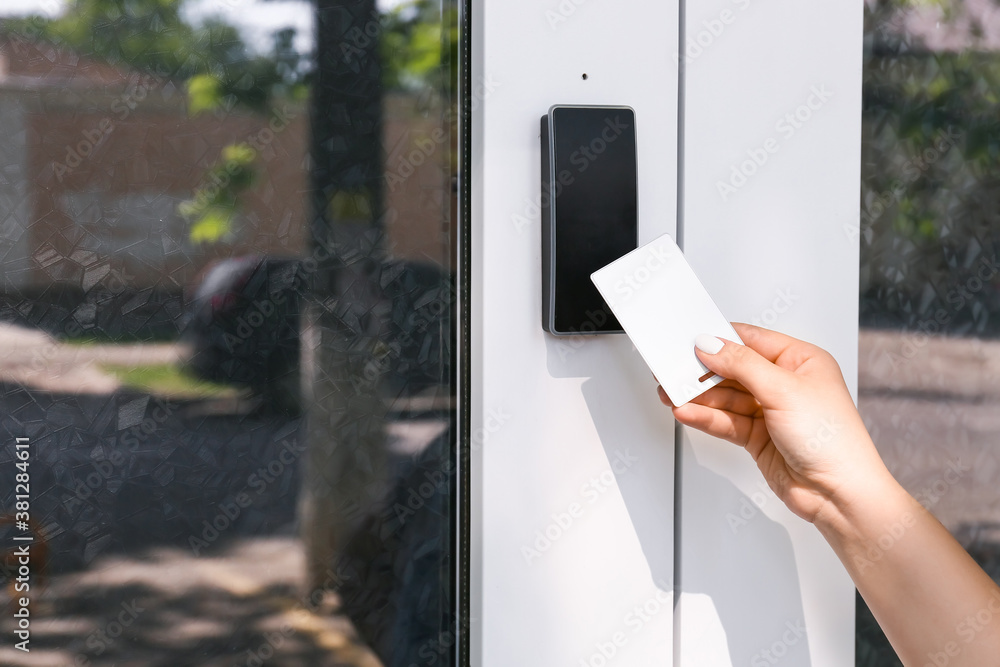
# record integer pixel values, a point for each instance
(595, 209)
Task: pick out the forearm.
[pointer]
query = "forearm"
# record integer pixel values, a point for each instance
(786, 403)
(935, 604)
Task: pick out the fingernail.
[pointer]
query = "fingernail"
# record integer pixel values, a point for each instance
(708, 344)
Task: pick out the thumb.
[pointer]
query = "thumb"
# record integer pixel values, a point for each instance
(741, 363)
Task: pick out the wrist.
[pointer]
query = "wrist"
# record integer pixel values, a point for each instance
(869, 491)
(866, 507)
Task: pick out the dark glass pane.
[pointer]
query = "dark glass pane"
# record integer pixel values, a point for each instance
(227, 303)
(930, 282)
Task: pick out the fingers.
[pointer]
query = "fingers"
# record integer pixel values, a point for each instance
(779, 348)
(769, 344)
(738, 401)
(730, 398)
(745, 365)
(729, 426)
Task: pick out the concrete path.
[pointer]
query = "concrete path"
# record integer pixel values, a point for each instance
(933, 407)
(245, 606)
(32, 358)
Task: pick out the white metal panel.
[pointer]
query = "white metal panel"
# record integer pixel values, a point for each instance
(776, 247)
(569, 437)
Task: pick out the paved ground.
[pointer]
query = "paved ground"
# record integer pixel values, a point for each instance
(933, 406)
(123, 480)
(32, 358)
(133, 501)
(241, 607)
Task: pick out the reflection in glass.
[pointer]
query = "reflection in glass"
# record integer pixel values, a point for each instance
(930, 280)
(226, 332)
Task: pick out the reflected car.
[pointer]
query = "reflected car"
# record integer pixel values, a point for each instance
(242, 324)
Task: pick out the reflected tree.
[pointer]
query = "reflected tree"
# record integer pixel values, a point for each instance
(219, 71)
(930, 210)
(393, 572)
(153, 36)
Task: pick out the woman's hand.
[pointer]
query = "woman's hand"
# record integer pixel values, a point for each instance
(786, 402)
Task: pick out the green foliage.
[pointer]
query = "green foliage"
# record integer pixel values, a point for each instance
(930, 209)
(213, 210)
(413, 46)
(220, 74)
(169, 381)
(204, 93)
(212, 59)
(152, 36)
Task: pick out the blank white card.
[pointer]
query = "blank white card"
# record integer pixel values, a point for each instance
(662, 306)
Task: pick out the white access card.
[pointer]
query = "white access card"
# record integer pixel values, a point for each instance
(663, 307)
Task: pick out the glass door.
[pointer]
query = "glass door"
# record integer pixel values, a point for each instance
(229, 368)
(930, 282)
